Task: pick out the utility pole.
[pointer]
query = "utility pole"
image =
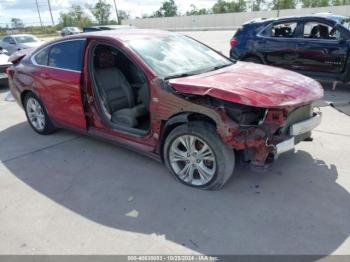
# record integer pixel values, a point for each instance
(37, 7)
(48, 2)
(116, 11)
(278, 8)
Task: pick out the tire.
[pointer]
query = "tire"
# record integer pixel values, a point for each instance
(253, 59)
(37, 115)
(188, 166)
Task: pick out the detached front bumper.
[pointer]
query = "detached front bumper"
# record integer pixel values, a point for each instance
(295, 130)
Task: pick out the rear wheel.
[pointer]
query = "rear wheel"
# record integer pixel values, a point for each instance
(197, 157)
(253, 59)
(37, 115)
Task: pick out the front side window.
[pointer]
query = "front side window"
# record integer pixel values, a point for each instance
(177, 55)
(67, 55)
(316, 30)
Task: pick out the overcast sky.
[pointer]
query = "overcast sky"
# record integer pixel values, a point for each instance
(26, 9)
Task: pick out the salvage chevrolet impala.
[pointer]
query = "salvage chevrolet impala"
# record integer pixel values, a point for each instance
(169, 96)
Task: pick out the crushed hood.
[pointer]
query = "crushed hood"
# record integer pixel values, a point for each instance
(252, 84)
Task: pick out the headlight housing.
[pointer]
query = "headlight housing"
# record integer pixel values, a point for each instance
(244, 115)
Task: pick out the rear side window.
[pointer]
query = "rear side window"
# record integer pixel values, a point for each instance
(67, 55)
(285, 30)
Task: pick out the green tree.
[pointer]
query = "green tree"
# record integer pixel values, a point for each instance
(168, 9)
(284, 4)
(17, 23)
(258, 5)
(195, 11)
(74, 17)
(337, 2)
(222, 6)
(101, 11)
(340, 2)
(123, 15)
(315, 3)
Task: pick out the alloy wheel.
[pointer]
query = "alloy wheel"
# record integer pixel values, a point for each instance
(192, 160)
(36, 114)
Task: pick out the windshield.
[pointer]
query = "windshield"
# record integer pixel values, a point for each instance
(343, 20)
(176, 56)
(345, 23)
(74, 29)
(26, 39)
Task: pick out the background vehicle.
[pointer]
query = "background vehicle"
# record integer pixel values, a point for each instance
(4, 64)
(182, 103)
(13, 43)
(105, 27)
(316, 45)
(70, 31)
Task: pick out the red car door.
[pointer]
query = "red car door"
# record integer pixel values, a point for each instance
(58, 77)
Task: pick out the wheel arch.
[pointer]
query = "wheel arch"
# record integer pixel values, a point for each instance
(24, 94)
(253, 54)
(179, 119)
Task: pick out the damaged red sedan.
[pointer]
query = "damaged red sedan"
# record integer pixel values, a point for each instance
(169, 96)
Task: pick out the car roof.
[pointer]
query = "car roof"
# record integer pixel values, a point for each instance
(124, 35)
(328, 16)
(110, 26)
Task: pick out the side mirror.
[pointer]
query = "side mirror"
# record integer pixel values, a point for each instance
(12, 42)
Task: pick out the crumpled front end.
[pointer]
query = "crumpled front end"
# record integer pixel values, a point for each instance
(277, 131)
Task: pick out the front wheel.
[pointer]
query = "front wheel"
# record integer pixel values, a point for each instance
(197, 157)
(37, 115)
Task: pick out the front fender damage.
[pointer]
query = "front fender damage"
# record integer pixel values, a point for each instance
(251, 131)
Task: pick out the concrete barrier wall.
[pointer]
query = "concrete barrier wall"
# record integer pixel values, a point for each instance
(224, 21)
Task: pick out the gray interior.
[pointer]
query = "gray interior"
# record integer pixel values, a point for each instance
(122, 88)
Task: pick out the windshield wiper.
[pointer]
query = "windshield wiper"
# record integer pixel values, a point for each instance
(177, 76)
(216, 68)
(222, 66)
(197, 72)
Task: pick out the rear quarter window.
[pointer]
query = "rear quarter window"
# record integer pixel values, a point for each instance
(42, 57)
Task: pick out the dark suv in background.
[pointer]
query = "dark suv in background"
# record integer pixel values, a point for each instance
(315, 45)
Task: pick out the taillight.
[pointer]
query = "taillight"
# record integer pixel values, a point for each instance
(233, 42)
